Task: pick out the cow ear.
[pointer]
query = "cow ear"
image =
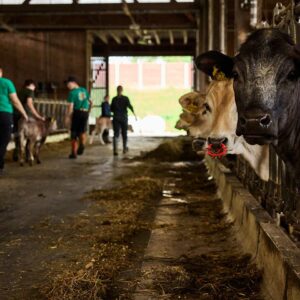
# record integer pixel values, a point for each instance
(215, 64)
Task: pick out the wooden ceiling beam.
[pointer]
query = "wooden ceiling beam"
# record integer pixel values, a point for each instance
(116, 38)
(102, 36)
(157, 38)
(185, 37)
(99, 9)
(130, 38)
(171, 37)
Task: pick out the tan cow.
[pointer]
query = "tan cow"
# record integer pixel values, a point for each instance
(102, 124)
(193, 118)
(216, 119)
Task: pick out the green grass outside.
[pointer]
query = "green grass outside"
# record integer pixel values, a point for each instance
(163, 102)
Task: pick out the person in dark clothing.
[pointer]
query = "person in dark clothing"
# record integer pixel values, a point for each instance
(105, 108)
(119, 107)
(8, 100)
(105, 113)
(26, 96)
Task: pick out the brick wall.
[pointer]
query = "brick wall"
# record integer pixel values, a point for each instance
(151, 75)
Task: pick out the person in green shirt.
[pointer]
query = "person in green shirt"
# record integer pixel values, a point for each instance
(8, 100)
(78, 112)
(26, 96)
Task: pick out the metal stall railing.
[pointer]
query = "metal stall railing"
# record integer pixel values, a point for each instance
(279, 196)
(53, 108)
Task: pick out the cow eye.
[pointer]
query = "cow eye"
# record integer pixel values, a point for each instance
(235, 75)
(292, 75)
(207, 107)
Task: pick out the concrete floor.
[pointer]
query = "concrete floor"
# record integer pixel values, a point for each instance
(29, 195)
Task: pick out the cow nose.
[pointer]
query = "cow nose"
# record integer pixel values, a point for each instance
(217, 142)
(198, 144)
(243, 121)
(265, 121)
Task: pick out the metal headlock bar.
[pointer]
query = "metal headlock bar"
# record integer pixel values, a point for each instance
(280, 196)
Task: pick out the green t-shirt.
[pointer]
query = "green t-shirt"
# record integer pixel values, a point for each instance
(6, 88)
(80, 98)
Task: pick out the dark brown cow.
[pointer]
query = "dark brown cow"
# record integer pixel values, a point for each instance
(33, 133)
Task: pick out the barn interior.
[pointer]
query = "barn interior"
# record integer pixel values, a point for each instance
(160, 221)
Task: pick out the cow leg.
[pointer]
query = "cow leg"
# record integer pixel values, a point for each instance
(27, 154)
(92, 136)
(101, 136)
(22, 148)
(30, 152)
(37, 148)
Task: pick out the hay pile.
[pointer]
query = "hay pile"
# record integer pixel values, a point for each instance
(175, 149)
(209, 277)
(98, 241)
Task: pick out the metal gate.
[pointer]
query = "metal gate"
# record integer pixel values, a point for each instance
(99, 83)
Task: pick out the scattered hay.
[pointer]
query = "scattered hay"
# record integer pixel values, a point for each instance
(104, 234)
(175, 149)
(92, 281)
(220, 277)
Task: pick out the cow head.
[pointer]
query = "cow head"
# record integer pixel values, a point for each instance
(195, 117)
(51, 124)
(220, 99)
(265, 74)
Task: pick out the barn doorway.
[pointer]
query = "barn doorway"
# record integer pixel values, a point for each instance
(153, 85)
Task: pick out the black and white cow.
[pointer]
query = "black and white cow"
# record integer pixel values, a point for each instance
(266, 75)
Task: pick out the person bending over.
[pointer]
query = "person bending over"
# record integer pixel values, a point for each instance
(78, 112)
(119, 107)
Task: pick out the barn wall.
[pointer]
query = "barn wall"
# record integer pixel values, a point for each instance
(44, 57)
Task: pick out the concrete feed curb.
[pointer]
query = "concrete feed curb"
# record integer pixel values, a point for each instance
(271, 249)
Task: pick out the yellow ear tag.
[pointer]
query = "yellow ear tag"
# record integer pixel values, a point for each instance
(192, 108)
(218, 75)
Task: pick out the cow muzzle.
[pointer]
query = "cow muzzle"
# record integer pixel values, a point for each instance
(217, 147)
(257, 127)
(198, 144)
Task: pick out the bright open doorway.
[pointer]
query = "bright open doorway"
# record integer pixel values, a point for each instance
(153, 85)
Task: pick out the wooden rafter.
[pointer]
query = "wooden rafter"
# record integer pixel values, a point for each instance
(102, 36)
(157, 38)
(185, 37)
(116, 37)
(130, 38)
(171, 37)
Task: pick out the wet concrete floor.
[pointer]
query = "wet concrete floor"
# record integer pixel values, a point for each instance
(52, 190)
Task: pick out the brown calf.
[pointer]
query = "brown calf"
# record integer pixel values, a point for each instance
(33, 133)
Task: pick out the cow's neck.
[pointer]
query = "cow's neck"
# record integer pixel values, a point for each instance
(258, 158)
(288, 144)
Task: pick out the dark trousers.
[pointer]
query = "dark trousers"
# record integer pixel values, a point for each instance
(6, 122)
(16, 119)
(120, 125)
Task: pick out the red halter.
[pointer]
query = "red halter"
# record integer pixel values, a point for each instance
(222, 151)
